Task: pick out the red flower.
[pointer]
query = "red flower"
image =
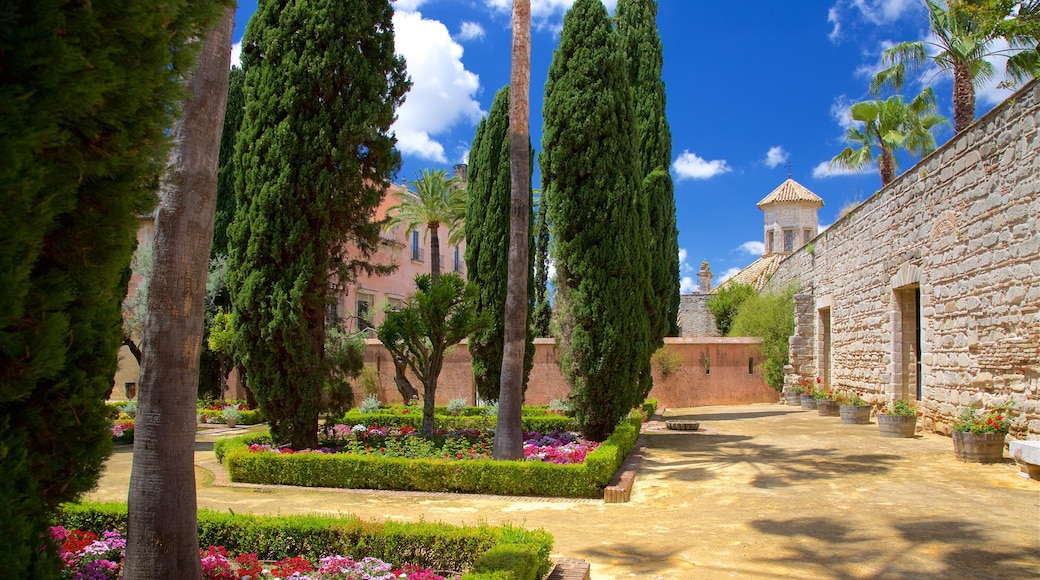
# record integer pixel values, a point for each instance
(818, 381)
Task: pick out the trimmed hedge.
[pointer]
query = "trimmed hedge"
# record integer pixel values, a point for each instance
(465, 476)
(531, 422)
(490, 551)
(253, 417)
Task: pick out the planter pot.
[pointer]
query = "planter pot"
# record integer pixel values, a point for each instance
(855, 414)
(827, 408)
(978, 447)
(231, 422)
(808, 402)
(793, 399)
(897, 425)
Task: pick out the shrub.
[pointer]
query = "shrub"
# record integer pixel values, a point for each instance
(368, 380)
(251, 417)
(456, 406)
(725, 303)
(531, 421)
(666, 361)
(771, 318)
(369, 405)
(488, 550)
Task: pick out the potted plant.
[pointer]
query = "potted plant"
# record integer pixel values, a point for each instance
(853, 410)
(980, 438)
(826, 406)
(809, 395)
(897, 419)
(793, 394)
(231, 415)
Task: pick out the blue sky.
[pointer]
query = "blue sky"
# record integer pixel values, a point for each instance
(752, 86)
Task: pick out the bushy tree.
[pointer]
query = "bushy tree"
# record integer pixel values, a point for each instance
(442, 312)
(236, 109)
(641, 43)
(725, 303)
(345, 353)
(542, 304)
(87, 90)
(591, 178)
(769, 316)
(313, 160)
(487, 245)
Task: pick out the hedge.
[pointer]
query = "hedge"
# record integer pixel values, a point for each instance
(530, 422)
(489, 551)
(253, 417)
(464, 476)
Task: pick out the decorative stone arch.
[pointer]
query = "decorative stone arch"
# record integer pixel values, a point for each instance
(905, 369)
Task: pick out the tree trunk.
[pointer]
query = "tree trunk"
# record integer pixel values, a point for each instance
(162, 539)
(134, 348)
(963, 98)
(509, 438)
(887, 167)
(435, 251)
(404, 386)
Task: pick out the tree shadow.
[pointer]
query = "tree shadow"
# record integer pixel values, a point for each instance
(731, 416)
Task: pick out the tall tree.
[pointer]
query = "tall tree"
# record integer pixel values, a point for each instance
(542, 304)
(964, 35)
(591, 176)
(86, 91)
(509, 437)
(487, 231)
(313, 160)
(889, 126)
(162, 532)
(641, 43)
(436, 201)
(235, 110)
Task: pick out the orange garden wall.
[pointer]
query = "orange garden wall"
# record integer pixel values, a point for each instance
(726, 382)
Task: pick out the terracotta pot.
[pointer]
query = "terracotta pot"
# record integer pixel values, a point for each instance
(855, 414)
(793, 399)
(231, 422)
(978, 447)
(897, 425)
(808, 402)
(827, 408)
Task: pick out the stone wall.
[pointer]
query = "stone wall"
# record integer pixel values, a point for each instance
(719, 371)
(694, 318)
(938, 274)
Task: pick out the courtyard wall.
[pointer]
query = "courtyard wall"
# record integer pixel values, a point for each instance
(949, 250)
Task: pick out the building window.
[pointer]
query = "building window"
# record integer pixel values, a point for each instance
(393, 304)
(788, 240)
(769, 242)
(458, 260)
(331, 314)
(417, 249)
(364, 311)
(807, 235)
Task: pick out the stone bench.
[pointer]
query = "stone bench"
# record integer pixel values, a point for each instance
(1027, 455)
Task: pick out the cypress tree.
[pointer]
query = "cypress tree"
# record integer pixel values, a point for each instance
(313, 160)
(542, 306)
(591, 182)
(86, 90)
(487, 245)
(641, 43)
(236, 108)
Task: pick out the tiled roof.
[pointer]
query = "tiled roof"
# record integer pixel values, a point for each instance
(756, 274)
(790, 190)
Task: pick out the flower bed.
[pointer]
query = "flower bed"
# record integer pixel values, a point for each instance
(385, 468)
(248, 417)
(487, 552)
(123, 431)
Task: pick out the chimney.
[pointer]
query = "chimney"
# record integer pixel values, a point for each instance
(705, 277)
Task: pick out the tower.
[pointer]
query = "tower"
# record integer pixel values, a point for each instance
(790, 217)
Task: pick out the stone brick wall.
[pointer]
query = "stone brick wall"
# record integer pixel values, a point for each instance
(716, 371)
(949, 250)
(694, 318)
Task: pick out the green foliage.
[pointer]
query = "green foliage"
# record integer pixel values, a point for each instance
(233, 114)
(345, 356)
(433, 545)
(487, 226)
(725, 303)
(769, 316)
(368, 380)
(313, 159)
(471, 418)
(87, 90)
(437, 200)
(542, 305)
(465, 476)
(440, 314)
(250, 417)
(591, 181)
(641, 45)
(667, 361)
(996, 420)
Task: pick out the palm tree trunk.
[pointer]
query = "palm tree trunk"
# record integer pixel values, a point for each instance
(509, 440)
(162, 540)
(435, 250)
(886, 166)
(963, 98)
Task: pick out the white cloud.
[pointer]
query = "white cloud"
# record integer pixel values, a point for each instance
(691, 166)
(688, 286)
(236, 54)
(833, 18)
(841, 111)
(753, 248)
(545, 14)
(776, 155)
(684, 266)
(824, 170)
(822, 228)
(727, 275)
(470, 31)
(408, 5)
(443, 91)
(883, 11)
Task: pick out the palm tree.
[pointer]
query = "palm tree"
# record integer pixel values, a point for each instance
(963, 37)
(509, 438)
(436, 200)
(890, 125)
